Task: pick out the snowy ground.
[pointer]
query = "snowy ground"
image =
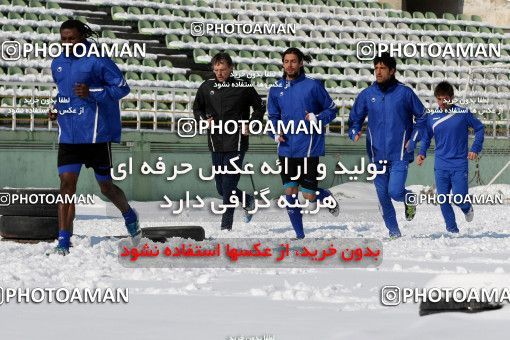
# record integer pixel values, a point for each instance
(285, 303)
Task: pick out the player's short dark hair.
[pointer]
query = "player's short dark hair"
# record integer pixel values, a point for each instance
(82, 28)
(444, 88)
(386, 59)
(222, 57)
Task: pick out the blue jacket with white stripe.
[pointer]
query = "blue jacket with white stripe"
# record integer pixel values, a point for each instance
(450, 131)
(96, 118)
(390, 121)
(288, 101)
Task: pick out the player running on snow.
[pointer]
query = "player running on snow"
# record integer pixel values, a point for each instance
(87, 105)
(297, 97)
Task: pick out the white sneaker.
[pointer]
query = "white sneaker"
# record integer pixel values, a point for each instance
(470, 214)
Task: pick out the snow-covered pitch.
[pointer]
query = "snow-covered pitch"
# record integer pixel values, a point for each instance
(211, 303)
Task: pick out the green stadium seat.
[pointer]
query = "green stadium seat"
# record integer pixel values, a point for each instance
(430, 15)
(26, 29)
(211, 16)
(227, 17)
(46, 17)
(133, 61)
(144, 25)
(160, 24)
(148, 76)
(19, 3)
(362, 84)
(163, 76)
(6, 102)
(146, 106)
(9, 28)
(134, 10)
(346, 84)
(453, 40)
(164, 11)
(43, 30)
(195, 78)
(443, 27)
(180, 13)
(264, 42)
(346, 4)
(108, 34)
(448, 16)
(440, 39)
(30, 16)
(498, 30)
(132, 76)
(471, 29)
(217, 40)
(179, 77)
(197, 52)
(52, 5)
(149, 63)
(170, 38)
(14, 16)
(180, 107)
(311, 44)
(162, 106)
(455, 28)
(334, 71)
(259, 54)
(31, 70)
(416, 27)
(476, 18)
(318, 70)
(193, 14)
(463, 17)
(243, 67)
(232, 41)
(149, 11)
(418, 15)
(14, 70)
(117, 10)
(405, 14)
(429, 27)
(273, 68)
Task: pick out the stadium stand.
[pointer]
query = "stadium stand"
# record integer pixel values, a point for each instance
(176, 63)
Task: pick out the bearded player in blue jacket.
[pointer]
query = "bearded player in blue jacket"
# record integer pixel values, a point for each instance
(449, 126)
(295, 98)
(390, 107)
(88, 113)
